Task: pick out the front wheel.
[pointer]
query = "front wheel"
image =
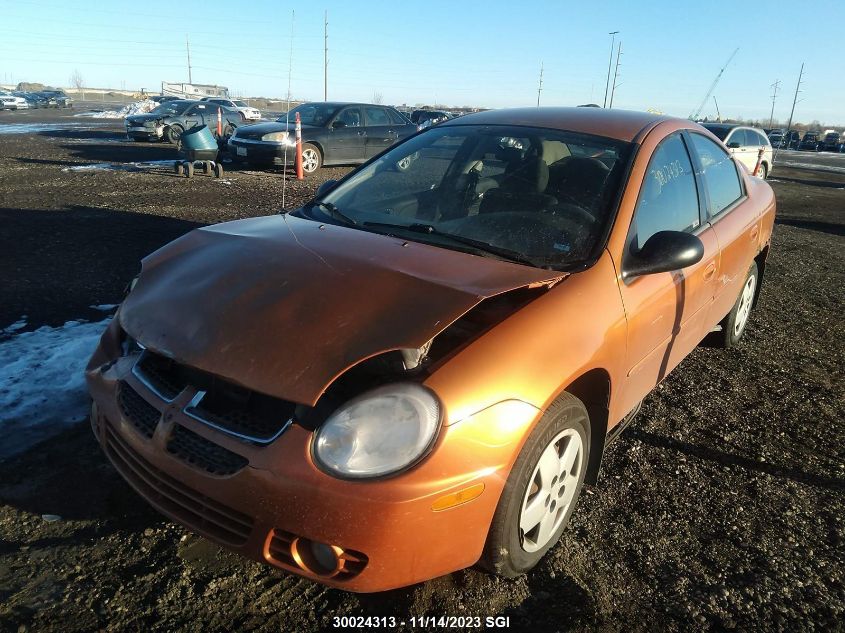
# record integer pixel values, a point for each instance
(173, 134)
(762, 171)
(542, 490)
(311, 159)
(733, 325)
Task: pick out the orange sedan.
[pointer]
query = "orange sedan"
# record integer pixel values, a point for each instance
(419, 370)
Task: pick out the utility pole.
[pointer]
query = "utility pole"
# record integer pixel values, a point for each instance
(609, 64)
(775, 87)
(326, 56)
(718, 114)
(540, 86)
(795, 98)
(188, 48)
(615, 73)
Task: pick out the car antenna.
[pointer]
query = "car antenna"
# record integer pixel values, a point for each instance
(287, 113)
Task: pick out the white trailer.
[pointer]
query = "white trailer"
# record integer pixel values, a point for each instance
(192, 91)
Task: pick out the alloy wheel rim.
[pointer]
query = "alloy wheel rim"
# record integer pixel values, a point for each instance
(550, 490)
(309, 160)
(745, 301)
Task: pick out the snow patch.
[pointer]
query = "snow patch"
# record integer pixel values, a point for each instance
(42, 384)
(138, 166)
(139, 107)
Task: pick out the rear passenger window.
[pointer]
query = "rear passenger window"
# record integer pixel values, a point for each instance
(396, 118)
(669, 198)
(721, 180)
(377, 116)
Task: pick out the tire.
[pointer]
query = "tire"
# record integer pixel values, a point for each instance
(243, 116)
(206, 168)
(189, 170)
(511, 549)
(173, 133)
(218, 170)
(178, 168)
(762, 171)
(312, 159)
(733, 325)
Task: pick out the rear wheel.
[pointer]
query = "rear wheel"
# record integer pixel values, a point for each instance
(733, 325)
(178, 168)
(542, 490)
(189, 170)
(218, 170)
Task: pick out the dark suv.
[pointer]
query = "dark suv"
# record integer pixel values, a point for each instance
(810, 142)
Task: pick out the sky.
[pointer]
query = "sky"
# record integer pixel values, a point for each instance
(484, 53)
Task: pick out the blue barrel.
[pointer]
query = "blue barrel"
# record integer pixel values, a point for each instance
(198, 138)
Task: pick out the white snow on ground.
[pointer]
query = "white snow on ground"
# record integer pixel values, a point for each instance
(34, 128)
(42, 386)
(815, 166)
(139, 107)
(139, 166)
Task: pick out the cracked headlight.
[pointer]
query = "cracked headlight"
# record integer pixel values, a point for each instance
(378, 433)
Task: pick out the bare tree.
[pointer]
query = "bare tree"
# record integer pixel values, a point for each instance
(78, 82)
(378, 98)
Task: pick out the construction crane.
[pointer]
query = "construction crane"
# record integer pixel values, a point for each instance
(710, 90)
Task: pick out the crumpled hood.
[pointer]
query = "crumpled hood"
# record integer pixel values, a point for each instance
(284, 305)
(142, 118)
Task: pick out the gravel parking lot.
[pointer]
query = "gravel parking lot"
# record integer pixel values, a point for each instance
(721, 507)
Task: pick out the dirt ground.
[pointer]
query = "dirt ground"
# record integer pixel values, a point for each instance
(721, 507)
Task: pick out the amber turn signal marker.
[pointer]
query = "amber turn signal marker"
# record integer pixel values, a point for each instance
(457, 498)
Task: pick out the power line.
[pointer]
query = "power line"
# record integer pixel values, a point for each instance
(540, 86)
(774, 96)
(615, 73)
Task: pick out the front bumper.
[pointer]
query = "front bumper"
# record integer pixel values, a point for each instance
(257, 152)
(387, 528)
(145, 132)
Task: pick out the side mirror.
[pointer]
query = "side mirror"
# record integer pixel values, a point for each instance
(338, 125)
(325, 187)
(663, 252)
(733, 145)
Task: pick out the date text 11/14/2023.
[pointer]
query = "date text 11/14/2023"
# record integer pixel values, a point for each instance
(428, 621)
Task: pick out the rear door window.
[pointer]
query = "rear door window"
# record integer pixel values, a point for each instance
(721, 179)
(376, 116)
(737, 138)
(669, 198)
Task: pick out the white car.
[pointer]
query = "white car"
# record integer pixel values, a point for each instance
(745, 143)
(247, 112)
(9, 101)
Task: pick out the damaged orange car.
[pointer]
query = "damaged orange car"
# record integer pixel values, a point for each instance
(418, 370)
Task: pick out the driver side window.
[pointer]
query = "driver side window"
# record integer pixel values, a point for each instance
(668, 199)
(350, 117)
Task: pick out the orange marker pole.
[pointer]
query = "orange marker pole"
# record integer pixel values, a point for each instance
(299, 173)
(219, 123)
(759, 160)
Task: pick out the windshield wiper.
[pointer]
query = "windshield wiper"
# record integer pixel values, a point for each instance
(479, 245)
(333, 211)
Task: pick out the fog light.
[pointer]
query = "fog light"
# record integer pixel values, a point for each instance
(315, 557)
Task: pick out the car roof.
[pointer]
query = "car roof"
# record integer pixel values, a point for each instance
(623, 125)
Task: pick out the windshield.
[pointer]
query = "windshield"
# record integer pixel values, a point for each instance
(317, 114)
(171, 107)
(543, 196)
(240, 104)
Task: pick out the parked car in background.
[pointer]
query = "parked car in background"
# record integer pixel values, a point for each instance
(58, 98)
(831, 142)
(745, 143)
(168, 120)
(404, 378)
(776, 137)
(810, 141)
(29, 97)
(792, 139)
(163, 98)
(248, 113)
(425, 118)
(333, 133)
(8, 101)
